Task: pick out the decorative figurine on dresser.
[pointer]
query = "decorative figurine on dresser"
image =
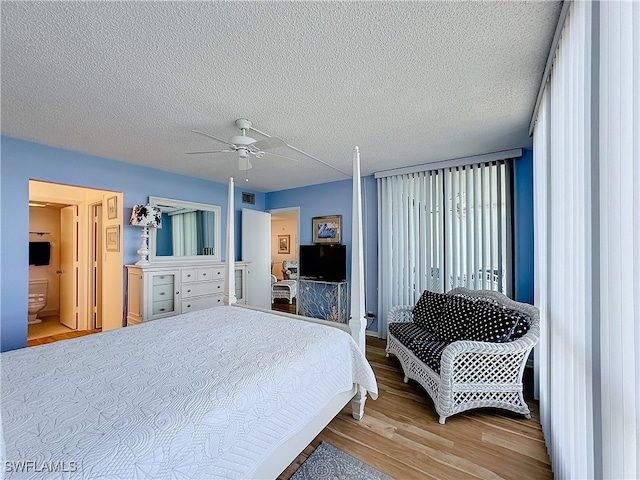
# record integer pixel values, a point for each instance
(181, 270)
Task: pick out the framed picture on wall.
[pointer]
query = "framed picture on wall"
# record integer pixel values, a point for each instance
(284, 244)
(112, 207)
(113, 238)
(327, 229)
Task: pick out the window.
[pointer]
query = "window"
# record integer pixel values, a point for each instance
(445, 228)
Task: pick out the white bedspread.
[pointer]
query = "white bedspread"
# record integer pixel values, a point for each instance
(207, 394)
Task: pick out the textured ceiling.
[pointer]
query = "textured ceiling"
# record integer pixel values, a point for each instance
(408, 82)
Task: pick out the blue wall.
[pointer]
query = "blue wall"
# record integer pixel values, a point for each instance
(22, 161)
(523, 226)
(335, 198)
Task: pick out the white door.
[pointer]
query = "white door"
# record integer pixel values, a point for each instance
(69, 266)
(256, 248)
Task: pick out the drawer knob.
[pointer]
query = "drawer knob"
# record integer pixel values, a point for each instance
(188, 291)
(161, 293)
(162, 309)
(204, 274)
(188, 275)
(188, 306)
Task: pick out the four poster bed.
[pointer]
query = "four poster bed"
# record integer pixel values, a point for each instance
(228, 392)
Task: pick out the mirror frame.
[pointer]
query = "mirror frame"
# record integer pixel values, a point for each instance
(216, 209)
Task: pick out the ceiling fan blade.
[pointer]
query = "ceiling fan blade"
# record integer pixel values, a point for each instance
(209, 151)
(211, 136)
(281, 159)
(268, 143)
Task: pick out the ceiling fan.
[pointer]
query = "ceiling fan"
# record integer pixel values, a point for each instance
(246, 146)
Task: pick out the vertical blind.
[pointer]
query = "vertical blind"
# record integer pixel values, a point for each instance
(587, 244)
(442, 229)
(563, 213)
(619, 236)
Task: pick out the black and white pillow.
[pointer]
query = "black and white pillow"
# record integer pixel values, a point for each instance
(457, 314)
(429, 351)
(522, 327)
(407, 332)
(492, 323)
(428, 310)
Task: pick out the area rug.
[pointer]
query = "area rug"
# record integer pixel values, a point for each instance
(327, 462)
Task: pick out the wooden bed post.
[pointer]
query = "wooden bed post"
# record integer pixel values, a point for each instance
(357, 322)
(230, 266)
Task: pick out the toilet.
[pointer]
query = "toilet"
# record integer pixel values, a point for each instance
(37, 298)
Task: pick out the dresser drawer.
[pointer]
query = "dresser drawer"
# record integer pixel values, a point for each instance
(201, 288)
(217, 273)
(205, 274)
(163, 292)
(189, 275)
(162, 279)
(163, 306)
(201, 303)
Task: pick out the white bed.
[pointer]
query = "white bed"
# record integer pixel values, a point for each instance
(191, 396)
(121, 408)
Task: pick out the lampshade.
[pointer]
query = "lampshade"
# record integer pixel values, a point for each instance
(146, 216)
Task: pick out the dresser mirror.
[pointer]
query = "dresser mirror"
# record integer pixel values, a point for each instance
(189, 231)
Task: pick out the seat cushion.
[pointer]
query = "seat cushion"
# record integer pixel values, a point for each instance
(407, 332)
(428, 310)
(429, 352)
(420, 342)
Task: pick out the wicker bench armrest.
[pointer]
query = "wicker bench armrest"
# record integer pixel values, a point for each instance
(400, 313)
(498, 361)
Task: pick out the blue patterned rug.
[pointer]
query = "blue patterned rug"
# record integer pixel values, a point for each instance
(329, 463)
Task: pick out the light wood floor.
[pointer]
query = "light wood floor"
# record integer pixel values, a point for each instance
(400, 434)
(48, 326)
(60, 336)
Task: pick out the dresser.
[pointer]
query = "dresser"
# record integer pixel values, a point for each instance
(163, 290)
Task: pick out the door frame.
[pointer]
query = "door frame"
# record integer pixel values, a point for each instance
(297, 239)
(112, 279)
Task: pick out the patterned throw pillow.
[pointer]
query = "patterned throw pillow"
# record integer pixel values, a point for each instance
(492, 323)
(522, 327)
(428, 310)
(457, 314)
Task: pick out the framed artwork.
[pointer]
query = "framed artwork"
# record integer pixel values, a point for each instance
(113, 238)
(284, 243)
(327, 229)
(112, 207)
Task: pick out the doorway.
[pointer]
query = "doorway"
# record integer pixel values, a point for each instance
(81, 272)
(285, 234)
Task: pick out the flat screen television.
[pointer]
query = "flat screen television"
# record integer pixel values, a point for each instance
(323, 262)
(39, 253)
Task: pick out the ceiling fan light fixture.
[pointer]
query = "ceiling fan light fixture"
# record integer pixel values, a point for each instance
(244, 163)
(246, 146)
(243, 152)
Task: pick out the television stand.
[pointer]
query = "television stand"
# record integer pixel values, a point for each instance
(324, 300)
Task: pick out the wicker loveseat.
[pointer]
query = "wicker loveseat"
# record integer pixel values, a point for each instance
(467, 348)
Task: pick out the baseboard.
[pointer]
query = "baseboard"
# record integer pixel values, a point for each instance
(370, 333)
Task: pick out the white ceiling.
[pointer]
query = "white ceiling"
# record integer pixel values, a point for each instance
(408, 82)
